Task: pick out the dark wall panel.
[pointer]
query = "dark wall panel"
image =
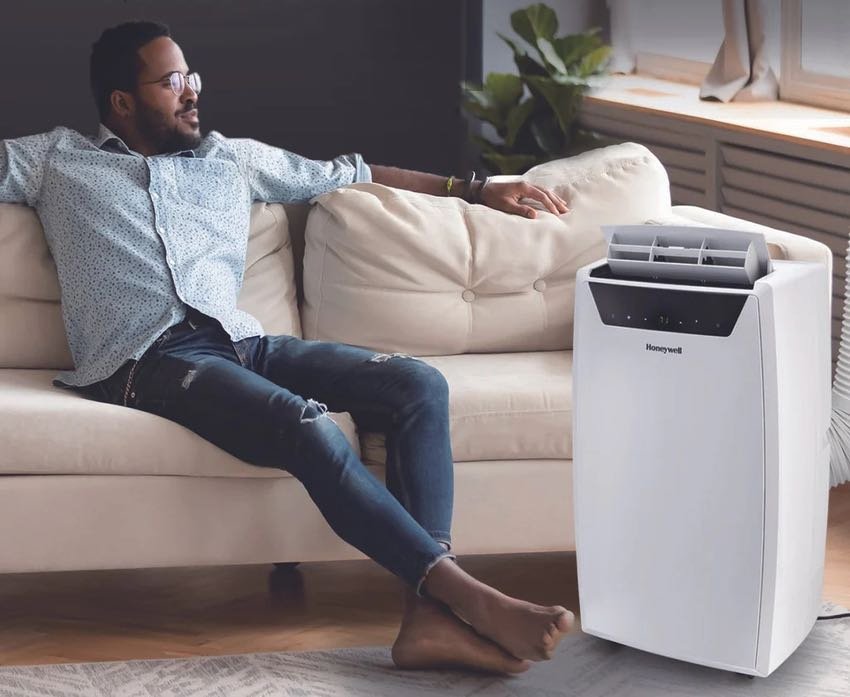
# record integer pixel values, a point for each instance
(319, 77)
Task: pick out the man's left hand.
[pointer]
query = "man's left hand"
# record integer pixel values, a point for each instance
(506, 196)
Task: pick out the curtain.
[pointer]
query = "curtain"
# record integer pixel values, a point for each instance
(741, 71)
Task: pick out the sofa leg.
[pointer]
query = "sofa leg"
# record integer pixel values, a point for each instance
(286, 580)
(285, 565)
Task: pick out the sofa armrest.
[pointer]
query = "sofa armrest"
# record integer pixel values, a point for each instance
(780, 244)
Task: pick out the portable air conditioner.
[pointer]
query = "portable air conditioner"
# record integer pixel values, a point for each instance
(701, 388)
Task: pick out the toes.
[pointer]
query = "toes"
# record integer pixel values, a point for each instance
(514, 665)
(565, 620)
(519, 667)
(559, 626)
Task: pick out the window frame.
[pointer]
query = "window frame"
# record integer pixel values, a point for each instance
(797, 84)
(673, 68)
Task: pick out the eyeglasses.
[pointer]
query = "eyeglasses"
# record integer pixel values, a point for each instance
(178, 82)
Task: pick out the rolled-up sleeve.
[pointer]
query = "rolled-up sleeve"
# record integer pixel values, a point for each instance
(276, 175)
(22, 166)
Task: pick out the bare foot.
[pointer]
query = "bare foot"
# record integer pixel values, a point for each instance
(431, 636)
(524, 630)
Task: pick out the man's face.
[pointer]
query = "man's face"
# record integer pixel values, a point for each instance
(167, 121)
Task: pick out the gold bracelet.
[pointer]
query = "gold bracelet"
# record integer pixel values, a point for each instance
(449, 183)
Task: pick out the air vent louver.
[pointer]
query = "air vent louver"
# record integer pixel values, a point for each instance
(697, 254)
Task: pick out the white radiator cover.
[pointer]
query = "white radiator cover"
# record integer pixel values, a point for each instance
(701, 473)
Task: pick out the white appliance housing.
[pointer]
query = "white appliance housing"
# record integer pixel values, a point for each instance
(701, 389)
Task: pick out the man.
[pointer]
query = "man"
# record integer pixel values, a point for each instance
(148, 223)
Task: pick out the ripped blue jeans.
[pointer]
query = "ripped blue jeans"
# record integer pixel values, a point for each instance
(264, 400)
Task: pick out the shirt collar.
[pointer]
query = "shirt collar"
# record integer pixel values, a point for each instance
(107, 137)
(104, 136)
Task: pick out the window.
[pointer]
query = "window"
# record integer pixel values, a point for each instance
(816, 52)
(666, 38)
(807, 43)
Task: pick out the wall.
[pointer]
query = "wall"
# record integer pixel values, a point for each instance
(320, 77)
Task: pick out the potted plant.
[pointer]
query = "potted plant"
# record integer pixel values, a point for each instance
(534, 113)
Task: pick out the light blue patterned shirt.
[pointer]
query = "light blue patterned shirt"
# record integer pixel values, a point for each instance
(136, 239)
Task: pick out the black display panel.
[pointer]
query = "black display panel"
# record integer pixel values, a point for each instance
(668, 309)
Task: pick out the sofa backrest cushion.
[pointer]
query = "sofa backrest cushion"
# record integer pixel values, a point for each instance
(394, 270)
(32, 332)
(268, 289)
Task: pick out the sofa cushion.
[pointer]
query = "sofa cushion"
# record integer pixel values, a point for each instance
(509, 406)
(395, 270)
(268, 289)
(32, 332)
(48, 430)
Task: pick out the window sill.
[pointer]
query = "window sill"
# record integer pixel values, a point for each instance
(823, 129)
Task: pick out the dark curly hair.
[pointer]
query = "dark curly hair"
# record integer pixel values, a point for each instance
(115, 62)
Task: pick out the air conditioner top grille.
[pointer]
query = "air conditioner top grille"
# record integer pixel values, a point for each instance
(697, 254)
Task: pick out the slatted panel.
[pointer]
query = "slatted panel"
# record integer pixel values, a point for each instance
(838, 261)
(683, 155)
(801, 196)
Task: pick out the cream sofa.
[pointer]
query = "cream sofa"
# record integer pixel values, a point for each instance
(483, 296)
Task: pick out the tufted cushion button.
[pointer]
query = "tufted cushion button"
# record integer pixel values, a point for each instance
(540, 285)
(468, 295)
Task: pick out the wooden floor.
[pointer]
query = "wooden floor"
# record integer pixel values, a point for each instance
(163, 613)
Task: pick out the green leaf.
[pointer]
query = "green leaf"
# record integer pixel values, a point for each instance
(493, 101)
(509, 164)
(550, 57)
(595, 61)
(491, 116)
(518, 50)
(574, 47)
(528, 66)
(548, 135)
(475, 93)
(504, 89)
(535, 22)
(517, 119)
(588, 140)
(524, 62)
(478, 102)
(564, 99)
(488, 115)
(485, 145)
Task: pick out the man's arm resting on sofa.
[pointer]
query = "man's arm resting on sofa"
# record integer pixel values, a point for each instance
(503, 196)
(21, 165)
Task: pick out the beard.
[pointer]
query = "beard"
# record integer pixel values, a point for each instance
(166, 137)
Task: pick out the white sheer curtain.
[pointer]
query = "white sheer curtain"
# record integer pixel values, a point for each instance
(741, 71)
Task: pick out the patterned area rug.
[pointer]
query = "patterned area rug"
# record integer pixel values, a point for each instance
(583, 667)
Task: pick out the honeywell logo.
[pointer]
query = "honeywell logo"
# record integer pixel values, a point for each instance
(664, 349)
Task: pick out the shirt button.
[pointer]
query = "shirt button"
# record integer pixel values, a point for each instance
(540, 285)
(468, 295)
